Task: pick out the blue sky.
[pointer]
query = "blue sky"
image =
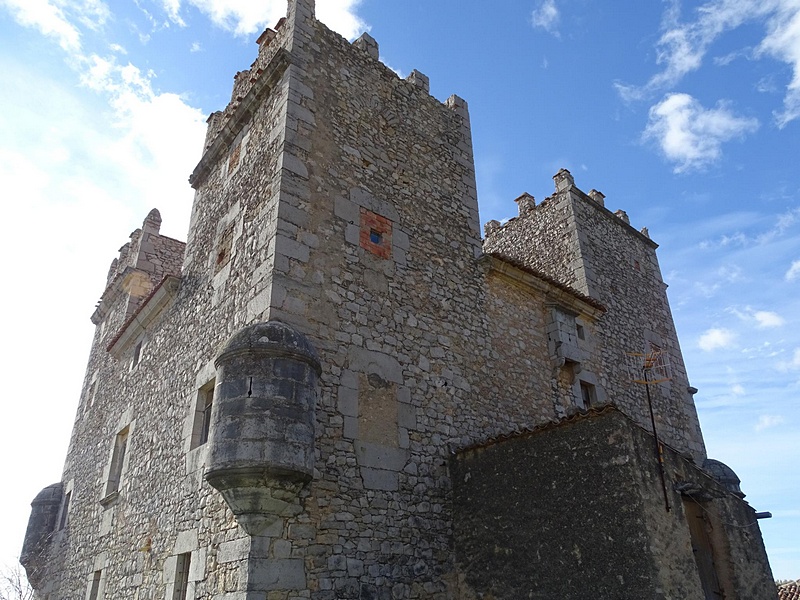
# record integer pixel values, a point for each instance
(686, 115)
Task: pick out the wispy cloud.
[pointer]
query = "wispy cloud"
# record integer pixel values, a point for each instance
(793, 272)
(768, 421)
(546, 16)
(762, 319)
(690, 135)
(716, 338)
(683, 45)
(173, 10)
(772, 228)
(783, 43)
(792, 364)
(49, 19)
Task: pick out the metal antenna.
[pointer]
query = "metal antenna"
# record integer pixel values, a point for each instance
(647, 369)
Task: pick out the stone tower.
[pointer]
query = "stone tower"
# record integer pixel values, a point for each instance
(291, 405)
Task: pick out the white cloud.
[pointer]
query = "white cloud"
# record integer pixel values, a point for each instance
(793, 364)
(245, 17)
(173, 10)
(546, 16)
(49, 19)
(340, 15)
(767, 319)
(783, 43)
(689, 134)
(767, 421)
(716, 338)
(793, 272)
(737, 389)
(763, 319)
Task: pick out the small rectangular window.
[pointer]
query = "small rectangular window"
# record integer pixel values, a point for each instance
(580, 331)
(208, 400)
(182, 576)
(588, 395)
(137, 354)
(65, 511)
(117, 462)
(202, 415)
(94, 588)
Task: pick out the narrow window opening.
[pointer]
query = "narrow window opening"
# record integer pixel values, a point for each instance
(588, 394)
(182, 576)
(208, 401)
(202, 415)
(94, 590)
(137, 354)
(117, 461)
(375, 236)
(65, 511)
(581, 332)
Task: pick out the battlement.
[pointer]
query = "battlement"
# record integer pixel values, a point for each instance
(275, 56)
(143, 262)
(564, 184)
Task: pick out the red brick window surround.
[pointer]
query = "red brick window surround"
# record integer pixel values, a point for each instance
(376, 234)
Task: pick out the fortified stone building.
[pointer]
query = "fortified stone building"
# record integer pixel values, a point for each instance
(337, 389)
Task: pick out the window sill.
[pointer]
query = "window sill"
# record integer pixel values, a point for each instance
(110, 500)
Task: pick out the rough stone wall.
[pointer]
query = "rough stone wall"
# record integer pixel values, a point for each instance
(527, 376)
(580, 492)
(573, 238)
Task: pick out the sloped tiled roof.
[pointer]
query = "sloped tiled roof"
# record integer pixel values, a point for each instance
(789, 591)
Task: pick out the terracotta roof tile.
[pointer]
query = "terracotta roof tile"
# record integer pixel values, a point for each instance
(789, 591)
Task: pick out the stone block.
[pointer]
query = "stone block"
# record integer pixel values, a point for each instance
(233, 551)
(406, 415)
(379, 456)
(379, 479)
(291, 248)
(186, 541)
(368, 44)
(293, 164)
(276, 574)
(374, 362)
(348, 401)
(350, 427)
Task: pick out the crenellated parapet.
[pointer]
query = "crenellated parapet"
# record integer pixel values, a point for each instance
(143, 264)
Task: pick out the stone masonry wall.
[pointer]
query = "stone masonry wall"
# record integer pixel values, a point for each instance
(585, 490)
